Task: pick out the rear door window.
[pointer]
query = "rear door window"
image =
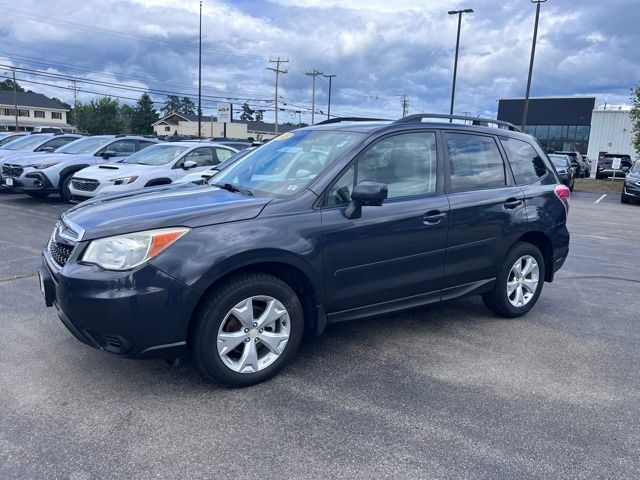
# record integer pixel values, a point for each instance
(527, 166)
(475, 162)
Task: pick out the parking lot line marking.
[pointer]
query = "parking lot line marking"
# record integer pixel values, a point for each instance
(598, 200)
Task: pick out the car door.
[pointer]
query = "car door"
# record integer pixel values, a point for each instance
(122, 148)
(204, 158)
(487, 211)
(393, 255)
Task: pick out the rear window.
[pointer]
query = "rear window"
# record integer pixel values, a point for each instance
(475, 162)
(527, 166)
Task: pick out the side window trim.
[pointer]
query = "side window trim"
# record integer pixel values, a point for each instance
(440, 174)
(447, 171)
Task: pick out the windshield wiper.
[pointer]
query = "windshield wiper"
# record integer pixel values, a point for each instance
(233, 188)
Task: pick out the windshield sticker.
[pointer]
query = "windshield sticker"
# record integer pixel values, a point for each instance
(284, 136)
(292, 188)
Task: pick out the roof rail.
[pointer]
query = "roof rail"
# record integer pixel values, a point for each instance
(351, 119)
(474, 120)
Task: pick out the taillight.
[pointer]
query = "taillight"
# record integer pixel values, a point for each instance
(563, 193)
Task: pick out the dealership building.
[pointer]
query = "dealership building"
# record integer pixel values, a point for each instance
(573, 123)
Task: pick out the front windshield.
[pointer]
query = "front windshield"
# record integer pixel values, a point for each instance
(636, 167)
(8, 139)
(156, 155)
(84, 145)
(288, 163)
(26, 143)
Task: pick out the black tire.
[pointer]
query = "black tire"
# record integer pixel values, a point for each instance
(207, 320)
(497, 300)
(38, 194)
(624, 198)
(598, 176)
(65, 193)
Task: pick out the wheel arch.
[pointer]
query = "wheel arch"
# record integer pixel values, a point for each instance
(286, 267)
(158, 181)
(543, 242)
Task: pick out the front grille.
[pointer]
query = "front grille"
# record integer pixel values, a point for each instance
(63, 241)
(85, 184)
(60, 252)
(9, 170)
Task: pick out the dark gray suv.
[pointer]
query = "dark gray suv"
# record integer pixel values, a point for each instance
(329, 223)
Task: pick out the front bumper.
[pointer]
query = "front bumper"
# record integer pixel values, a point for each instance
(29, 181)
(143, 313)
(101, 189)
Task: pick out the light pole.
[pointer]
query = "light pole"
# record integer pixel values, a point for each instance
(533, 53)
(455, 64)
(330, 77)
(200, 76)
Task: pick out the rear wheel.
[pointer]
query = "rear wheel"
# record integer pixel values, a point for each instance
(519, 282)
(38, 194)
(65, 192)
(248, 329)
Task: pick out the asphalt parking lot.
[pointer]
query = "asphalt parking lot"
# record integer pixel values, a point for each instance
(448, 391)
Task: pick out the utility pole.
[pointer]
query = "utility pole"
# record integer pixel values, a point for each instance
(15, 97)
(277, 61)
(75, 93)
(313, 74)
(405, 105)
(455, 63)
(200, 76)
(533, 53)
(330, 77)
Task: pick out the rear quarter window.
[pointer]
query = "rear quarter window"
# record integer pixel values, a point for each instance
(475, 162)
(526, 164)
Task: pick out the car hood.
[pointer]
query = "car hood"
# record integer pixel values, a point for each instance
(160, 207)
(40, 157)
(109, 171)
(632, 177)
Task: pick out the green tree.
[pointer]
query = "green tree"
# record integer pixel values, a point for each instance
(635, 117)
(143, 116)
(173, 104)
(247, 113)
(188, 107)
(259, 115)
(8, 85)
(102, 116)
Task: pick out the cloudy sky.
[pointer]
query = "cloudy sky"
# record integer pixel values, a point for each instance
(379, 50)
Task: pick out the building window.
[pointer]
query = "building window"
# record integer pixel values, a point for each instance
(23, 113)
(38, 113)
(56, 115)
(9, 112)
(167, 128)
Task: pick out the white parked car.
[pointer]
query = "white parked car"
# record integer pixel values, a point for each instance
(204, 175)
(158, 164)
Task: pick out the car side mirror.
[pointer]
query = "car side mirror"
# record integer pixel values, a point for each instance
(365, 194)
(46, 149)
(189, 164)
(109, 154)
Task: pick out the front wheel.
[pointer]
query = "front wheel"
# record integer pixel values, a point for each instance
(65, 192)
(519, 282)
(248, 329)
(624, 198)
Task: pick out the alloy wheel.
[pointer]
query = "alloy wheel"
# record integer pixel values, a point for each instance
(522, 282)
(253, 334)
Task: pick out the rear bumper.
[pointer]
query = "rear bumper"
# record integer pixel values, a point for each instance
(144, 313)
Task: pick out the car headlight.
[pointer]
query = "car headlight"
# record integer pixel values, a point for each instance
(124, 252)
(42, 166)
(124, 180)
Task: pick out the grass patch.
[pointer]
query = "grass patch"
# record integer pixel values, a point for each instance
(598, 186)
